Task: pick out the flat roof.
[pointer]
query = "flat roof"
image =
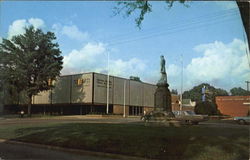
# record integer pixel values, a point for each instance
(106, 75)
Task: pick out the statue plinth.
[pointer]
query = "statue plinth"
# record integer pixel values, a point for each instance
(163, 95)
(163, 98)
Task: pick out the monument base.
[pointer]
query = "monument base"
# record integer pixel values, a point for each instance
(163, 98)
(163, 106)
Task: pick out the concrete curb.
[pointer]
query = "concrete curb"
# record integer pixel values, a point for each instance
(76, 151)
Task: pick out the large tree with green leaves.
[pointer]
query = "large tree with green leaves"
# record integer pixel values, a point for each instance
(211, 92)
(239, 92)
(30, 61)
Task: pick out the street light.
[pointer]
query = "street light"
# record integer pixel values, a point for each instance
(124, 94)
(181, 81)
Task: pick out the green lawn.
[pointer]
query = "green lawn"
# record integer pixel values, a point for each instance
(173, 143)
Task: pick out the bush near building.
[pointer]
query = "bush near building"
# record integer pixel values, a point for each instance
(206, 107)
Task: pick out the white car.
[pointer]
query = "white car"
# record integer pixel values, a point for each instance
(189, 117)
(242, 120)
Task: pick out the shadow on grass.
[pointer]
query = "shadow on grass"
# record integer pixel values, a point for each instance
(173, 143)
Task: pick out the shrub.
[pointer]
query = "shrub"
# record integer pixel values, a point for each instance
(206, 107)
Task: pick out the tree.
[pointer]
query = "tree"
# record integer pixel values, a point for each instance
(174, 91)
(135, 78)
(144, 7)
(211, 92)
(30, 62)
(239, 92)
(208, 108)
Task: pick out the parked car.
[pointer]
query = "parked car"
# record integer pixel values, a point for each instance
(242, 120)
(189, 117)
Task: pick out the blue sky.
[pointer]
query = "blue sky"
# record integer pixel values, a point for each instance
(209, 35)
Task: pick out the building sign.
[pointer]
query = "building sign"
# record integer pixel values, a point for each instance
(82, 82)
(103, 83)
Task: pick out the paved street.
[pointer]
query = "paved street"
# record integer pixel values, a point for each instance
(114, 120)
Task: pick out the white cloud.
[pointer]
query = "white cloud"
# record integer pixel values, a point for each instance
(92, 57)
(221, 64)
(74, 33)
(173, 70)
(71, 31)
(18, 26)
(1, 39)
(132, 67)
(36, 22)
(85, 59)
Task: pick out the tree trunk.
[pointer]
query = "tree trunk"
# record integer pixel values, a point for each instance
(29, 105)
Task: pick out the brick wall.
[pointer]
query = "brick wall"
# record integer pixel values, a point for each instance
(175, 102)
(118, 109)
(233, 105)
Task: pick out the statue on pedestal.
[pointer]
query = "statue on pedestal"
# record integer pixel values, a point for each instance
(162, 94)
(163, 79)
(163, 107)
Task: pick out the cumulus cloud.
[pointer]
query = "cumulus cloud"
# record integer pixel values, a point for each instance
(18, 26)
(74, 33)
(71, 31)
(85, 59)
(92, 57)
(221, 64)
(36, 22)
(131, 67)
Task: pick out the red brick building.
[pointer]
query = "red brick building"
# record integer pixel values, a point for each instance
(233, 105)
(175, 102)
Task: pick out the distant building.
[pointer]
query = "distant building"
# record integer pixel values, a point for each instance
(233, 105)
(175, 99)
(187, 104)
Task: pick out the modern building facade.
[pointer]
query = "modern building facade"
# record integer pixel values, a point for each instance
(87, 93)
(233, 105)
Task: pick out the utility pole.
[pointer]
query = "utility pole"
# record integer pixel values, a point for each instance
(247, 85)
(181, 81)
(124, 98)
(107, 109)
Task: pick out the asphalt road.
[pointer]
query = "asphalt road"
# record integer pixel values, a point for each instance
(114, 120)
(26, 152)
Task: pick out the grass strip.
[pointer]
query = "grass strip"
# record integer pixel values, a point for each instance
(175, 143)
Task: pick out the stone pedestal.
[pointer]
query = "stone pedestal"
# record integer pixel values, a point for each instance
(163, 95)
(163, 98)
